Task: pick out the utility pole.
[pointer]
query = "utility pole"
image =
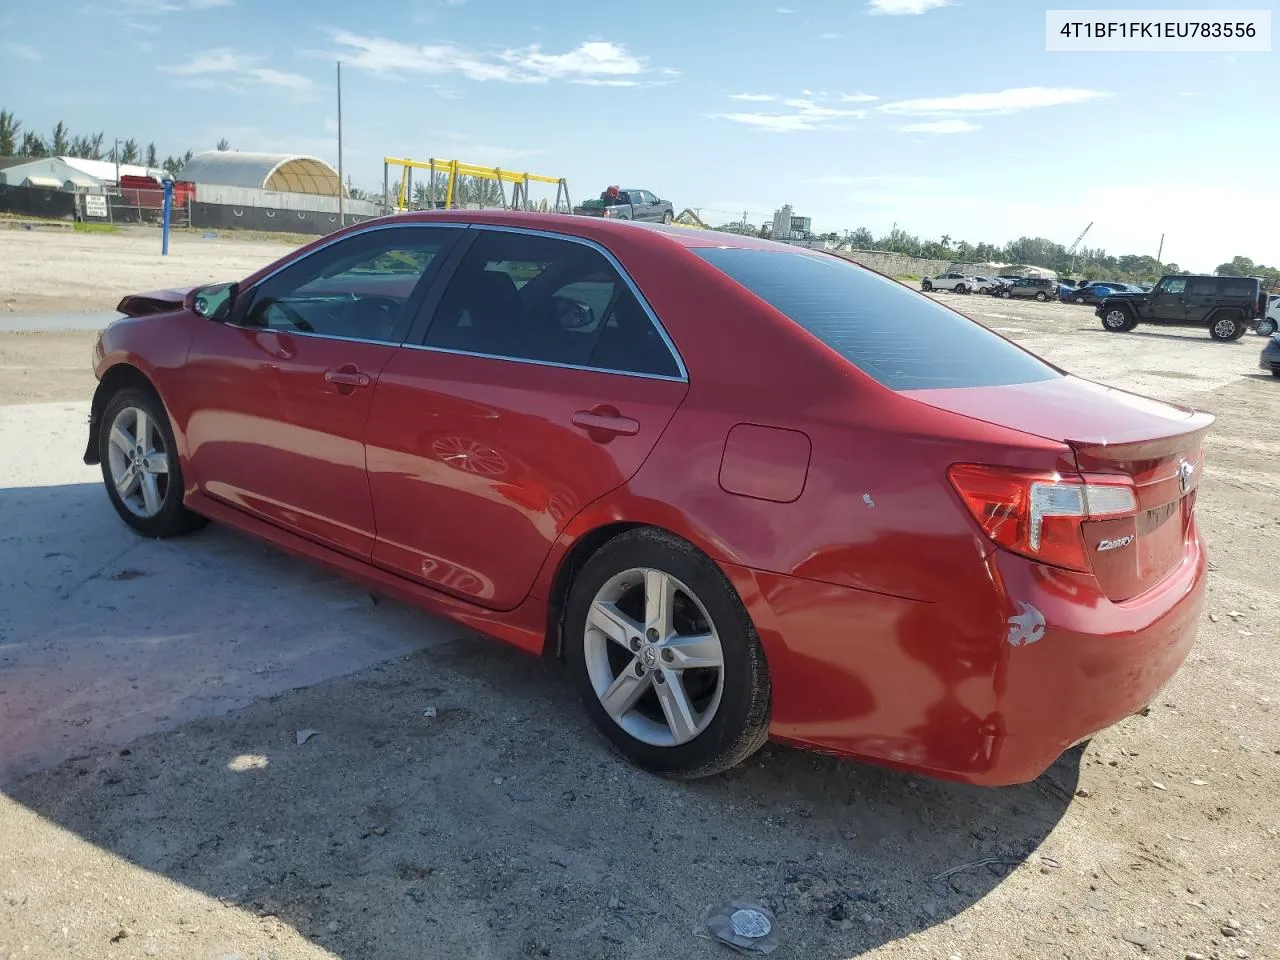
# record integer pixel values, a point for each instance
(342, 206)
(115, 155)
(1160, 252)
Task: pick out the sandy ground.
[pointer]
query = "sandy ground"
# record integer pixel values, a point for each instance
(54, 270)
(156, 801)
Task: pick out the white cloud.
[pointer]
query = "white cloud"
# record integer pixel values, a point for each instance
(804, 113)
(785, 10)
(1004, 101)
(941, 126)
(857, 98)
(208, 4)
(224, 68)
(595, 62)
(22, 52)
(904, 7)
(829, 36)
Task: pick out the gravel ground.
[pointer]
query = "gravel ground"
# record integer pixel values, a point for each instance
(157, 802)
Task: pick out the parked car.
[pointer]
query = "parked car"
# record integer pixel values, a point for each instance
(1269, 323)
(1065, 289)
(1033, 287)
(955, 282)
(526, 422)
(1270, 359)
(985, 284)
(1228, 306)
(1095, 290)
(631, 204)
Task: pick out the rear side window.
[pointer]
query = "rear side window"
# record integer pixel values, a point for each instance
(1234, 287)
(903, 339)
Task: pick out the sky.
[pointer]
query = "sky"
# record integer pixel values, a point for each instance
(944, 118)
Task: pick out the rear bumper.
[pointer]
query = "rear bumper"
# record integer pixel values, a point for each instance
(937, 688)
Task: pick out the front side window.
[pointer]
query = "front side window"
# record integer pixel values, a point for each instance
(1173, 285)
(547, 299)
(903, 339)
(355, 289)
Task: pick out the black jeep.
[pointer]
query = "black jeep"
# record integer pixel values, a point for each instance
(1227, 306)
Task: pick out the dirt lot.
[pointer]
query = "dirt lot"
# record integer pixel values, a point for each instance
(157, 803)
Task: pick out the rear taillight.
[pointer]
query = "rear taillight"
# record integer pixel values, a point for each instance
(1038, 515)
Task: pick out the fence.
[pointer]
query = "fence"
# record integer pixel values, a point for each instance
(48, 202)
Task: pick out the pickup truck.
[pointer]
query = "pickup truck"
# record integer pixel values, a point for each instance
(629, 205)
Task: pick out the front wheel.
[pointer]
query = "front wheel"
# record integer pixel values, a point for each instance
(140, 466)
(927, 287)
(1007, 294)
(668, 217)
(665, 658)
(1266, 327)
(1226, 329)
(1118, 320)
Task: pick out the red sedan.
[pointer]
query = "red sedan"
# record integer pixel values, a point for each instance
(744, 490)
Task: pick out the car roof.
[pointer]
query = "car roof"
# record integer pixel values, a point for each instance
(593, 228)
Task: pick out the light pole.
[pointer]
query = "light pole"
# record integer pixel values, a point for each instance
(342, 206)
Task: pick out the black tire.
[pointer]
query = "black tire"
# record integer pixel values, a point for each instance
(740, 725)
(1226, 328)
(1118, 320)
(926, 286)
(1007, 294)
(959, 288)
(1079, 298)
(1042, 296)
(668, 217)
(172, 519)
(1266, 327)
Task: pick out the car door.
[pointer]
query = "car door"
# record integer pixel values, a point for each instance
(535, 381)
(1168, 301)
(651, 211)
(281, 392)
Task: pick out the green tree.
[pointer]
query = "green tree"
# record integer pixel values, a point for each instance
(60, 145)
(10, 127)
(862, 239)
(153, 159)
(32, 146)
(224, 144)
(129, 151)
(1236, 267)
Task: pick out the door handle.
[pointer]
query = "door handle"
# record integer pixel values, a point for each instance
(606, 422)
(347, 378)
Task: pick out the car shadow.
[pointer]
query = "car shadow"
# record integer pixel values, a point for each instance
(1192, 334)
(455, 801)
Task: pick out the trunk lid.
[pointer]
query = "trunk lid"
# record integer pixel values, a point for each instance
(1158, 446)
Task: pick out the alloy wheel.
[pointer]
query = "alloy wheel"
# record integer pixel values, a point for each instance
(1116, 319)
(1224, 329)
(138, 462)
(654, 657)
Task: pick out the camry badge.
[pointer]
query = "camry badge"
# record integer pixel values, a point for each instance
(1116, 544)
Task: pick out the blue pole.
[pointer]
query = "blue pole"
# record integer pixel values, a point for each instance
(168, 210)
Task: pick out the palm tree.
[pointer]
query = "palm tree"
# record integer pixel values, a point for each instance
(32, 146)
(224, 144)
(129, 151)
(153, 159)
(61, 145)
(9, 130)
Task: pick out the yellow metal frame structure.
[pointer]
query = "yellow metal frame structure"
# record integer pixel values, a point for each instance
(452, 169)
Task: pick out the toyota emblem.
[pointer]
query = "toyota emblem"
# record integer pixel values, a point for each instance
(1186, 472)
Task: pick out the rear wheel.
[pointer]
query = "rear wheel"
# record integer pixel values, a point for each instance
(1226, 328)
(1079, 298)
(1007, 294)
(1118, 320)
(668, 217)
(1266, 327)
(665, 658)
(140, 466)
(960, 288)
(1041, 296)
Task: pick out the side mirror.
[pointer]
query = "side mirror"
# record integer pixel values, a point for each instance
(213, 302)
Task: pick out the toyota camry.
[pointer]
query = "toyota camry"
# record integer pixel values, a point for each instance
(742, 489)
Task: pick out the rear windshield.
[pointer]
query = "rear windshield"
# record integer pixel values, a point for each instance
(903, 339)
